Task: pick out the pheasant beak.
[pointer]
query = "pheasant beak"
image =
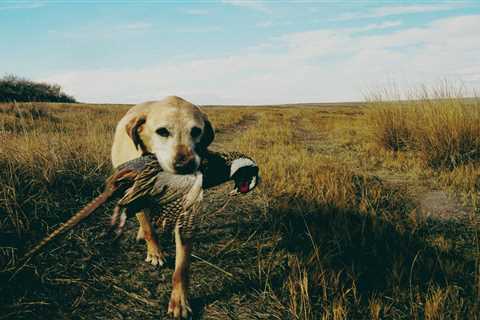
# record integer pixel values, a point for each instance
(244, 188)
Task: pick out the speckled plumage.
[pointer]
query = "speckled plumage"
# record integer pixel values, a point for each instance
(165, 193)
(173, 199)
(141, 183)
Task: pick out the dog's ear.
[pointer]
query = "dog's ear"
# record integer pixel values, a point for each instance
(208, 135)
(134, 127)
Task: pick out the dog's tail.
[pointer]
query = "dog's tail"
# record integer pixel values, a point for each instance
(72, 222)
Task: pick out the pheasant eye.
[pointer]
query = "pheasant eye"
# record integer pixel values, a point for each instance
(195, 132)
(163, 132)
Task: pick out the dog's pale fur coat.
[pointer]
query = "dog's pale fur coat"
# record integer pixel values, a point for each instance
(177, 132)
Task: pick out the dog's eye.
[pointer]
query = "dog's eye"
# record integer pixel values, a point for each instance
(163, 132)
(195, 132)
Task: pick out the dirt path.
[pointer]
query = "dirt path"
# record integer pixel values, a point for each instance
(432, 202)
(223, 266)
(227, 133)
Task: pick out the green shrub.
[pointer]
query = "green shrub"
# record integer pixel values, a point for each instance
(16, 89)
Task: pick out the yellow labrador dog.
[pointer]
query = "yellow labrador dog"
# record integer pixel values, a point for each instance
(177, 132)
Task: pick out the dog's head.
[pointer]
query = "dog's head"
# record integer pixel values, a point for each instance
(176, 131)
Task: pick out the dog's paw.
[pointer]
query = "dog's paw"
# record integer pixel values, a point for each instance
(155, 256)
(178, 306)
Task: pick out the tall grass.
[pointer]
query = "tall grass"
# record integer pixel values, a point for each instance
(47, 154)
(352, 243)
(443, 129)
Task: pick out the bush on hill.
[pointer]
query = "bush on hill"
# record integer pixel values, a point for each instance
(16, 89)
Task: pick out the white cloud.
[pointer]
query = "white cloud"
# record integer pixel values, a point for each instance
(197, 12)
(205, 29)
(265, 24)
(320, 65)
(21, 5)
(135, 26)
(110, 31)
(398, 10)
(379, 26)
(255, 5)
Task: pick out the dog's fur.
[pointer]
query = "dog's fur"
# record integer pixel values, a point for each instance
(143, 129)
(178, 116)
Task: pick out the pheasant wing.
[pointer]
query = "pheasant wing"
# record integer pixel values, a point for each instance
(142, 186)
(180, 194)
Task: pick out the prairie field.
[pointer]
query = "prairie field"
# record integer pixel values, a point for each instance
(365, 211)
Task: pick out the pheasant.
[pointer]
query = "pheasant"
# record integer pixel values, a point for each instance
(141, 183)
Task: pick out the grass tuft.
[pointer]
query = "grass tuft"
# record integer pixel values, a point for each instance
(443, 130)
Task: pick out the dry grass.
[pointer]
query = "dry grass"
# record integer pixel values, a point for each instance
(443, 130)
(331, 233)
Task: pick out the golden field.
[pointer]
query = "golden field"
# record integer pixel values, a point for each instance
(365, 211)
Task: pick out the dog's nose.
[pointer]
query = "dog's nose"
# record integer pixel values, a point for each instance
(184, 160)
(185, 166)
(185, 163)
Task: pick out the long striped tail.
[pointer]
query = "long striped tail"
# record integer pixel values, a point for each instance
(72, 222)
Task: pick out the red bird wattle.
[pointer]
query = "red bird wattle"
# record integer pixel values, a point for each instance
(244, 188)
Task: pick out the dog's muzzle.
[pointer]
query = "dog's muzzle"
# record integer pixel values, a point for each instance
(184, 162)
(185, 165)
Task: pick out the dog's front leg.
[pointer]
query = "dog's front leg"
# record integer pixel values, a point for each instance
(154, 253)
(178, 305)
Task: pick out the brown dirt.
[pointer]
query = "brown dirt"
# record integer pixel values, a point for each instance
(438, 204)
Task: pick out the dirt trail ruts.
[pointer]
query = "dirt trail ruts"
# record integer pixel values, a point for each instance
(227, 133)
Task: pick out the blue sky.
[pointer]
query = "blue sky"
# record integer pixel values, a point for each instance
(235, 52)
